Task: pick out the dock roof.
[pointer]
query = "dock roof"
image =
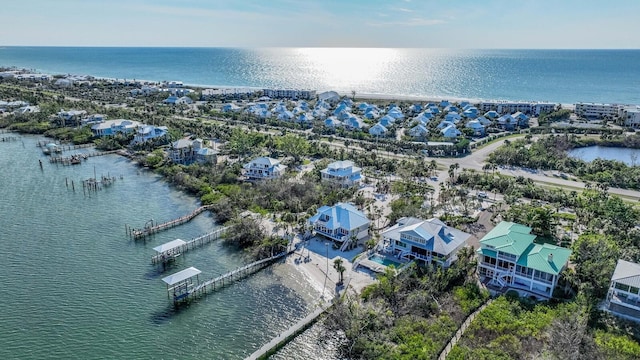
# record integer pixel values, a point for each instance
(181, 276)
(169, 246)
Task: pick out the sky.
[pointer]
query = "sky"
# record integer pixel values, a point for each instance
(512, 24)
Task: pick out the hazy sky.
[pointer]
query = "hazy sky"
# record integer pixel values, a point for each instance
(313, 23)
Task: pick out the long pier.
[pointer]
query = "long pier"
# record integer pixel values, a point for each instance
(279, 341)
(150, 230)
(165, 256)
(225, 279)
(61, 147)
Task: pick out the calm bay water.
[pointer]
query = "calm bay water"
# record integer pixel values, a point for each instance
(564, 76)
(628, 156)
(74, 286)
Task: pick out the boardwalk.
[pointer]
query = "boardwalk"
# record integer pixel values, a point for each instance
(279, 341)
(454, 340)
(189, 245)
(152, 229)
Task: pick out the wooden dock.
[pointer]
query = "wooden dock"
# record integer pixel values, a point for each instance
(181, 293)
(152, 229)
(75, 159)
(170, 254)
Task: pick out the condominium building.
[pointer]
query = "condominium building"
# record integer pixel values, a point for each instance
(597, 111)
(289, 94)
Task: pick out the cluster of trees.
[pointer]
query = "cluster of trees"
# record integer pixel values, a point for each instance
(410, 315)
(550, 153)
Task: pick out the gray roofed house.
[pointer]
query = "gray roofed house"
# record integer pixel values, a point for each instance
(623, 298)
(427, 241)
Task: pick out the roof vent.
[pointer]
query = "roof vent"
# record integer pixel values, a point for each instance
(550, 258)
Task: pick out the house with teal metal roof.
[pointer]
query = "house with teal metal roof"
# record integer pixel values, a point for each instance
(343, 223)
(344, 173)
(509, 259)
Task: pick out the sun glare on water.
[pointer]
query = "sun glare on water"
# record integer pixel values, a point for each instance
(349, 68)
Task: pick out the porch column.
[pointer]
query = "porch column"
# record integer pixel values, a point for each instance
(533, 273)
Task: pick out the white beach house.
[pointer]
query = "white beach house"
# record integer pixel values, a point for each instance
(264, 168)
(344, 173)
(623, 298)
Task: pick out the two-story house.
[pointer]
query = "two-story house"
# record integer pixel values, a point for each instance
(264, 168)
(623, 298)
(508, 259)
(426, 241)
(343, 223)
(343, 173)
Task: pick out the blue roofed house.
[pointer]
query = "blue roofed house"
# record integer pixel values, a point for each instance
(342, 223)
(491, 114)
(378, 130)
(453, 117)
(332, 122)
(450, 132)
(343, 173)
(387, 120)
(424, 117)
(521, 119)
(263, 168)
(477, 127)
(426, 241)
(418, 131)
(395, 112)
(508, 258)
(484, 121)
(354, 123)
(623, 298)
(443, 124)
(507, 122)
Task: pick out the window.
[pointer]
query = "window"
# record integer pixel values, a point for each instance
(622, 287)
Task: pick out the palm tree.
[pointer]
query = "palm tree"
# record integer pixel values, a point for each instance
(338, 265)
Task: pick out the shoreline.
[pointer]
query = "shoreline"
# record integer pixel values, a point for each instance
(359, 95)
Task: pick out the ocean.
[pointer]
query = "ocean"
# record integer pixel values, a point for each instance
(562, 76)
(75, 286)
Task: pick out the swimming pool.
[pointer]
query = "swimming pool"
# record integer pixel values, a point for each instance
(383, 260)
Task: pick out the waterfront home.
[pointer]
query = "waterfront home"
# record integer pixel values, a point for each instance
(623, 298)
(470, 112)
(450, 108)
(187, 151)
(418, 131)
(434, 110)
(508, 258)
(477, 127)
(426, 241)
(450, 132)
(149, 132)
(113, 127)
(342, 223)
(332, 122)
(93, 119)
(343, 173)
(263, 168)
(378, 130)
(444, 103)
(415, 109)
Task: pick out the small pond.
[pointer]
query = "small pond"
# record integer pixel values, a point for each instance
(630, 157)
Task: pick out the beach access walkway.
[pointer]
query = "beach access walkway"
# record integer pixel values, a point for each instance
(456, 337)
